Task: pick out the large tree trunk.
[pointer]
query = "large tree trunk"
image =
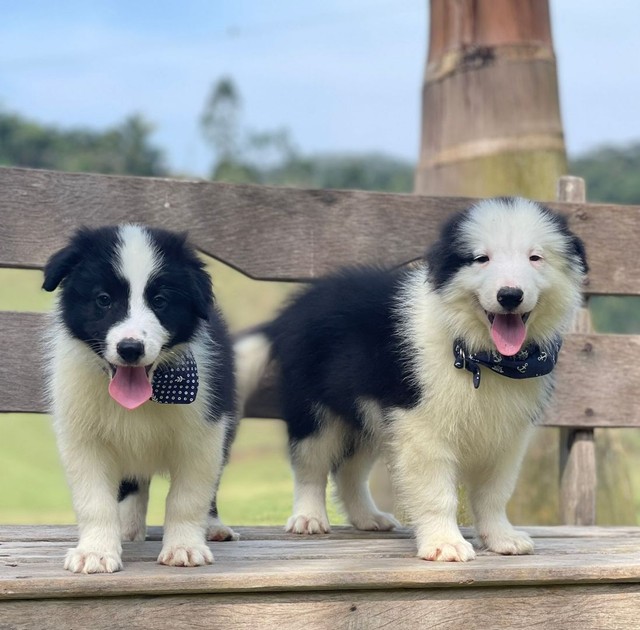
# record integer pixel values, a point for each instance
(491, 117)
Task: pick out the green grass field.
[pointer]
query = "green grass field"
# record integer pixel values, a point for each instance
(256, 485)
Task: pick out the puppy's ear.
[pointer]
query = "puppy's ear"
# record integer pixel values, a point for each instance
(60, 265)
(202, 290)
(580, 252)
(444, 258)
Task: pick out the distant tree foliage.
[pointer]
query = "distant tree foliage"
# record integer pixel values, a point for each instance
(125, 149)
(220, 120)
(612, 173)
(271, 157)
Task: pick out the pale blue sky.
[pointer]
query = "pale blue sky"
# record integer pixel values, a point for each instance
(342, 75)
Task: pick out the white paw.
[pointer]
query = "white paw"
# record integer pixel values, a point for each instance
(81, 561)
(218, 531)
(454, 550)
(375, 521)
(509, 542)
(183, 556)
(302, 524)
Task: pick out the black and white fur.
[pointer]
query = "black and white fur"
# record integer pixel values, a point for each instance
(366, 367)
(148, 288)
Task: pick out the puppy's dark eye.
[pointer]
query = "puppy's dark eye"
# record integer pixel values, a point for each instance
(158, 302)
(103, 300)
(535, 258)
(481, 259)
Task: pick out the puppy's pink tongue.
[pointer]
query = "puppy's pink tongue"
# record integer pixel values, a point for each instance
(508, 333)
(130, 386)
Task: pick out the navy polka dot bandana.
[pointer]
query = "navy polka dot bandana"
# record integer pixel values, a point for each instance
(530, 362)
(176, 383)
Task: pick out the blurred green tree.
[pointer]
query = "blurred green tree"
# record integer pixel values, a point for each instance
(123, 149)
(271, 156)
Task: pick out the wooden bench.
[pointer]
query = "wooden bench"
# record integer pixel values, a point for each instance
(579, 577)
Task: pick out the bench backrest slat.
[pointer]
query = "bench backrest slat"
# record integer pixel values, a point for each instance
(300, 234)
(277, 233)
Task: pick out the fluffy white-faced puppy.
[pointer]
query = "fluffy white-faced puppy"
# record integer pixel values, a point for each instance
(445, 367)
(141, 380)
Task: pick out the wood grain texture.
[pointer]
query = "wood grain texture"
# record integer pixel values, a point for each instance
(598, 607)
(300, 565)
(578, 473)
(578, 478)
(22, 362)
(276, 233)
(16, 534)
(579, 577)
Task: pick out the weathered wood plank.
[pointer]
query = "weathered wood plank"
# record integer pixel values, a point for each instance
(21, 362)
(294, 549)
(276, 233)
(15, 534)
(590, 391)
(290, 563)
(597, 607)
(596, 387)
(577, 476)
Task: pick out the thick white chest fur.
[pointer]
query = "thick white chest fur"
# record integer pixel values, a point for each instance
(152, 438)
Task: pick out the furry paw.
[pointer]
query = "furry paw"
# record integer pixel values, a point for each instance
(183, 556)
(509, 542)
(218, 531)
(454, 550)
(302, 524)
(81, 561)
(375, 522)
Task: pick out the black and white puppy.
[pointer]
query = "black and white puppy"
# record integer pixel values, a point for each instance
(445, 367)
(141, 381)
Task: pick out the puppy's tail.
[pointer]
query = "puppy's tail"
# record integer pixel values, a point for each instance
(252, 355)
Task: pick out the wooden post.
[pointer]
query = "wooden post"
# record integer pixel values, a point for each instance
(490, 110)
(578, 478)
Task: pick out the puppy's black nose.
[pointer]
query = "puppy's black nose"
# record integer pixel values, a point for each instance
(510, 297)
(130, 350)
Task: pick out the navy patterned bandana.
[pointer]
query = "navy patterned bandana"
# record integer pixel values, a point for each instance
(530, 362)
(176, 383)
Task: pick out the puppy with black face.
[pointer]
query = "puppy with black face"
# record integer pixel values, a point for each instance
(141, 381)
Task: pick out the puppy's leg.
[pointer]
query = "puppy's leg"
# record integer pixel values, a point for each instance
(216, 529)
(93, 478)
(133, 498)
(312, 458)
(352, 487)
(194, 468)
(425, 470)
(489, 491)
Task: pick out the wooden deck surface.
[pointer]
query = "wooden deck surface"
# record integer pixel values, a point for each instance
(578, 578)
